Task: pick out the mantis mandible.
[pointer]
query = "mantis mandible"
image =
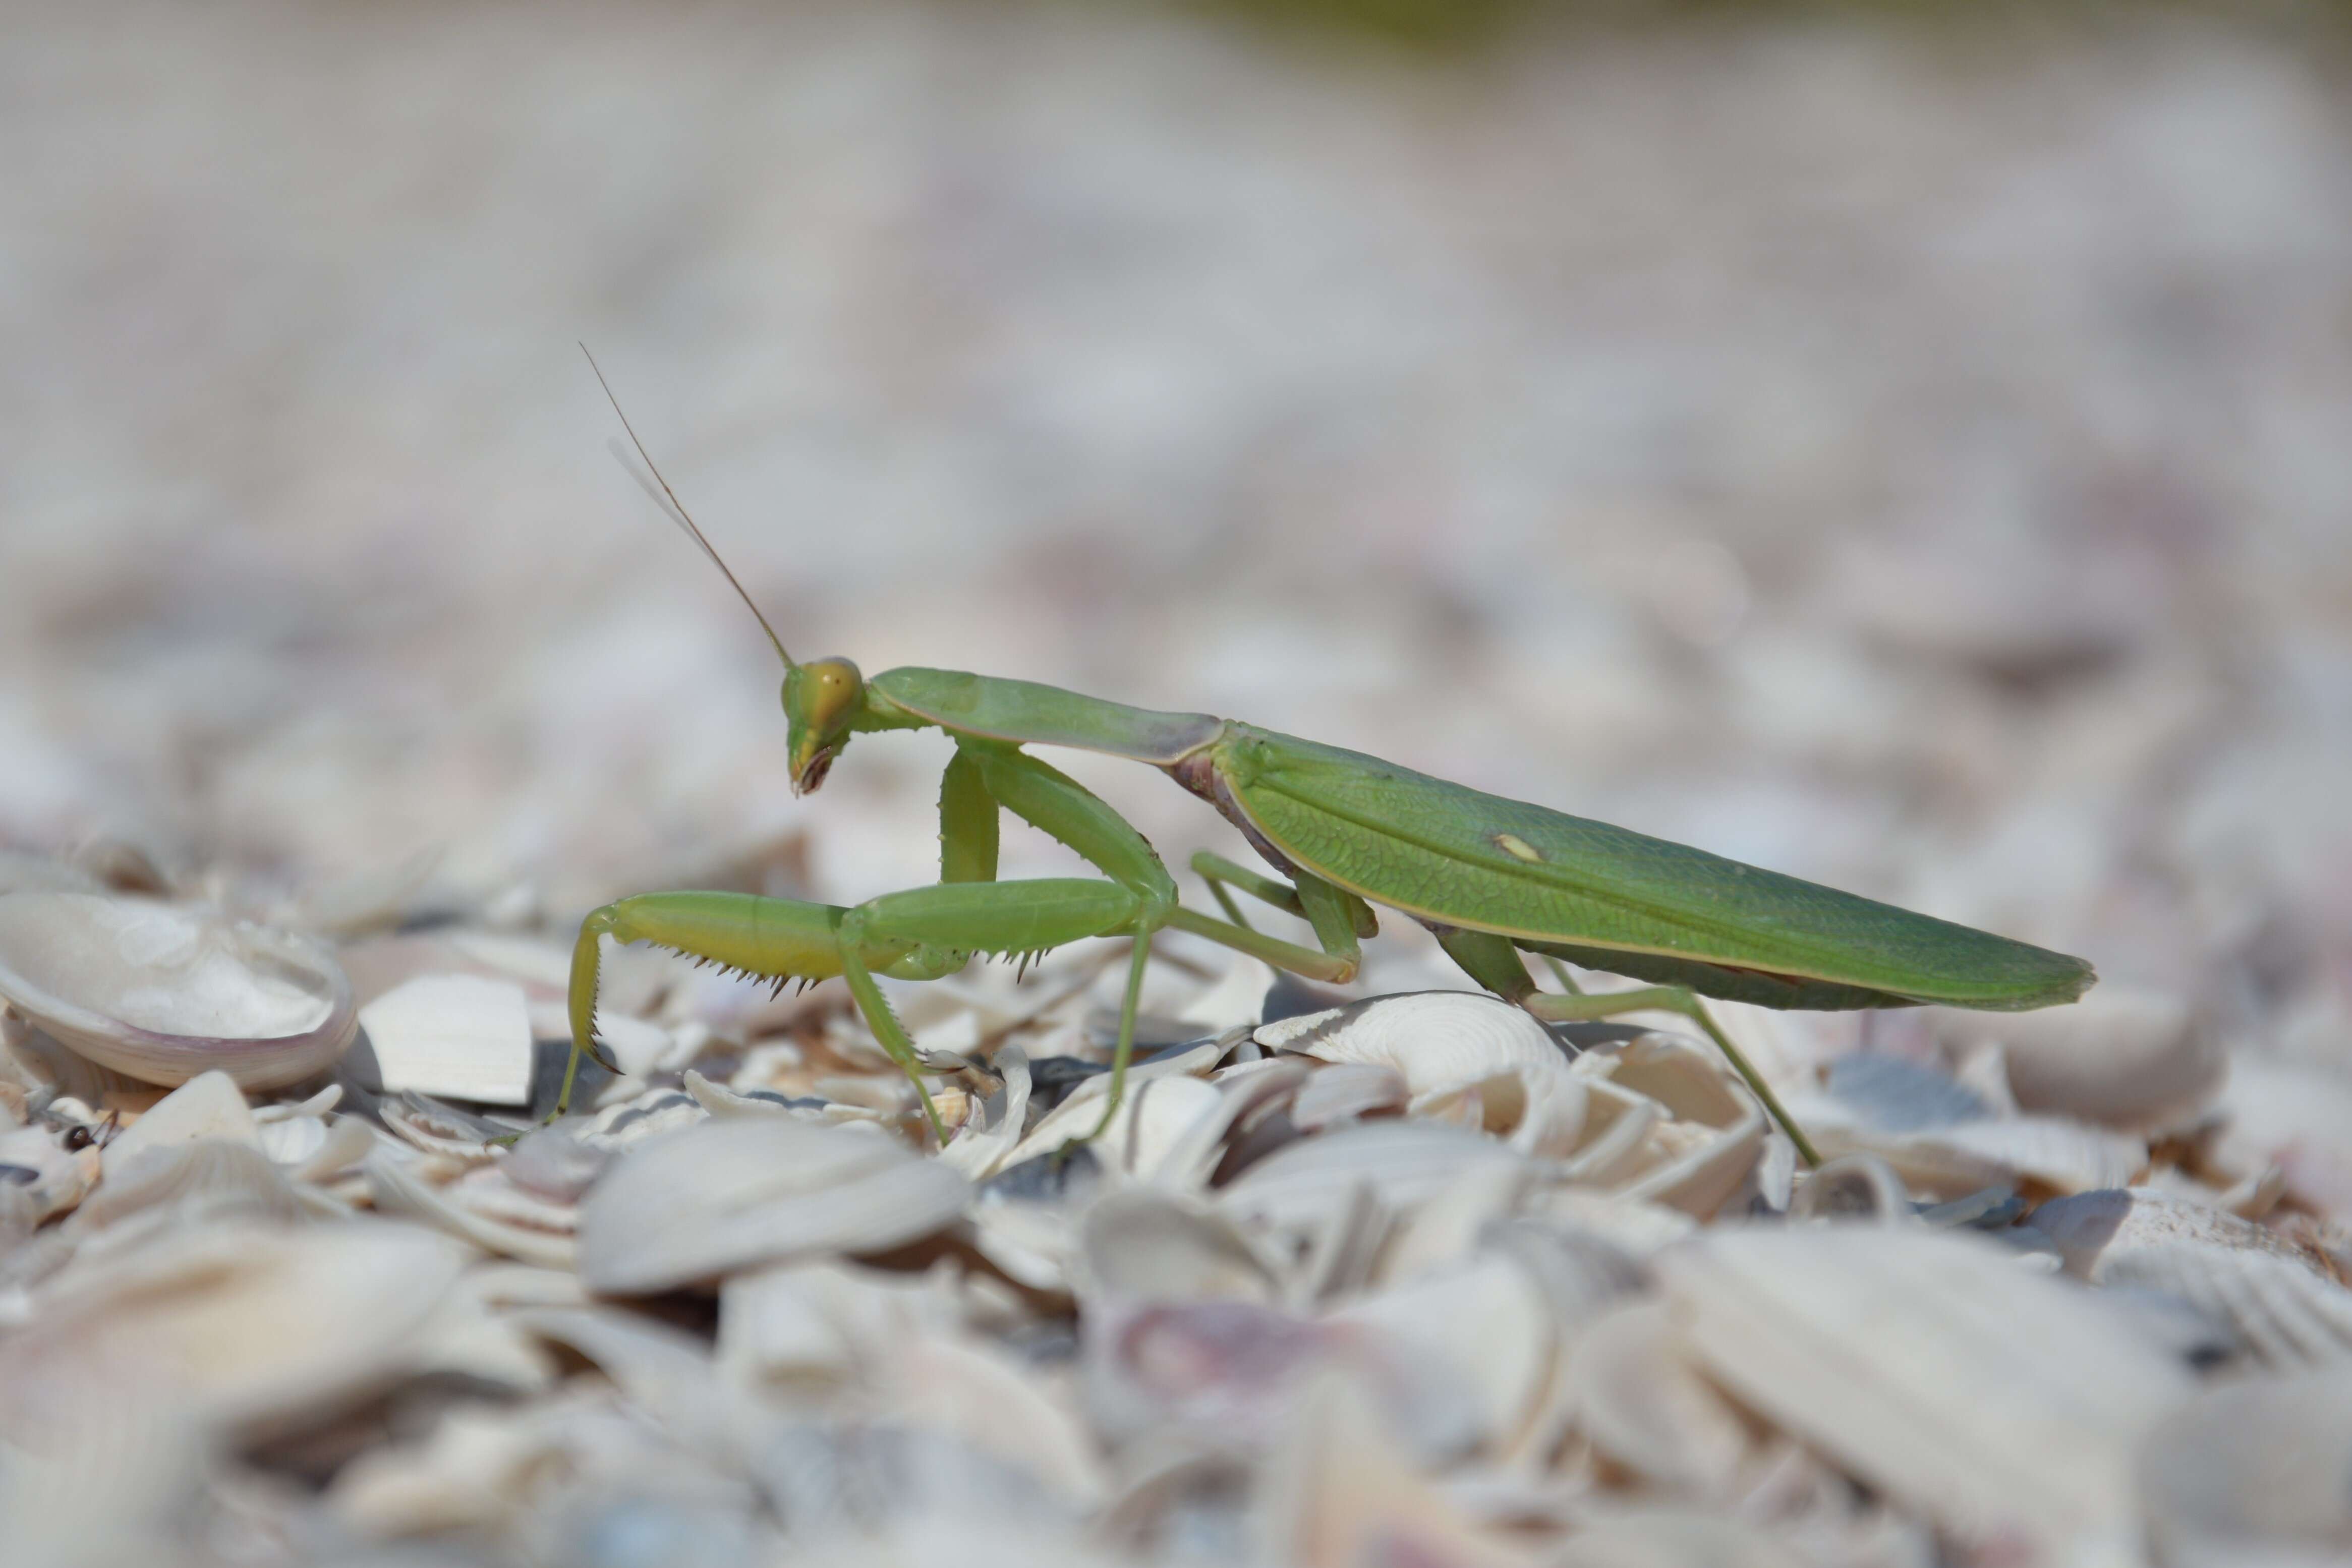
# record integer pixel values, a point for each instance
(1491, 878)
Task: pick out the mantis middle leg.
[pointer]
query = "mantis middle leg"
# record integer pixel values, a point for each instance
(1494, 963)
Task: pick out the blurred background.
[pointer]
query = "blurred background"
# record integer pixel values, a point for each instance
(1908, 446)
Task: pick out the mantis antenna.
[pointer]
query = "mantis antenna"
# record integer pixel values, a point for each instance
(677, 514)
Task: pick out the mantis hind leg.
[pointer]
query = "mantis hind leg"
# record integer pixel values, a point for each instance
(1494, 962)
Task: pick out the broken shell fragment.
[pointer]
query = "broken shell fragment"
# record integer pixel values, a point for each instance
(1437, 1039)
(2280, 1299)
(461, 1036)
(2252, 1473)
(164, 992)
(726, 1195)
(2004, 1405)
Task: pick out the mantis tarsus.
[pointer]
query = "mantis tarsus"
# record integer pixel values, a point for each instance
(1491, 878)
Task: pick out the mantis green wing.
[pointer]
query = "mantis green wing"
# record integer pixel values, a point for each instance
(1612, 899)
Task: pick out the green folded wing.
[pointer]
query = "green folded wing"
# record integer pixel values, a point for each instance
(1617, 900)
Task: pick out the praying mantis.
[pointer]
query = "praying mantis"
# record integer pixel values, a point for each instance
(1491, 878)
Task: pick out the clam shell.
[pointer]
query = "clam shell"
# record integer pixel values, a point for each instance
(1402, 1163)
(2122, 1057)
(163, 993)
(2252, 1475)
(1437, 1039)
(236, 1326)
(2281, 1300)
(729, 1195)
(1641, 1400)
(2004, 1405)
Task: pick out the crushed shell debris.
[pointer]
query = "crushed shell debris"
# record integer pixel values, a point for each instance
(1409, 1273)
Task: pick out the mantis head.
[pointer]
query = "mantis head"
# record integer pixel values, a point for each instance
(821, 699)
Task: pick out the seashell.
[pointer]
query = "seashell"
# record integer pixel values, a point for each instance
(664, 1370)
(1402, 1163)
(1851, 1187)
(2294, 1118)
(553, 1164)
(998, 1409)
(456, 1035)
(240, 1328)
(429, 1126)
(1692, 1157)
(2002, 1405)
(724, 1196)
(1235, 998)
(978, 1151)
(1639, 1230)
(164, 992)
(396, 1188)
(2121, 1057)
(1347, 1092)
(2250, 1475)
(1338, 1492)
(2281, 1300)
(1438, 1040)
(46, 1168)
(1646, 1539)
(1639, 1398)
(1483, 1327)
(207, 1181)
(1151, 1124)
(206, 1106)
(1939, 1158)
(1143, 1245)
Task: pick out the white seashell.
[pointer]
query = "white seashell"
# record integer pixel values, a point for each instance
(1640, 1230)
(2281, 1300)
(1639, 1398)
(44, 1169)
(456, 1035)
(1402, 1163)
(1645, 1538)
(1236, 997)
(396, 1188)
(1712, 1134)
(1347, 1092)
(206, 1106)
(1438, 1040)
(210, 1180)
(1338, 1492)
(1953, 1159)
(978, 1151)
(1484, 1326)
(2250, 1475)
(2003, 1405)
(2121, 1057)
(2294, 1118)
(237, 1327)
(1147, 1245)
(164, 993)
(724, 1196)
(1150, 1125)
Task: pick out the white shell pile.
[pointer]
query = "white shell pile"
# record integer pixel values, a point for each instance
(1407, 1274)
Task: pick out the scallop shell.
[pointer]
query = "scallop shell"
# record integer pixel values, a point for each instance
(2004, 1405)
(729, 1195)
(164, 992)
(2281, 1300)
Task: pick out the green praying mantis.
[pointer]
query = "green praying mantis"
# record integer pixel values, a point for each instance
(1492, 879)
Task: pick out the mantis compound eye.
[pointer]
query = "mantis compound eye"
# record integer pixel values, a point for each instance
(821, 699)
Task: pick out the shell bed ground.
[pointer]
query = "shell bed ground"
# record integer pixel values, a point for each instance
(1905, 454)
